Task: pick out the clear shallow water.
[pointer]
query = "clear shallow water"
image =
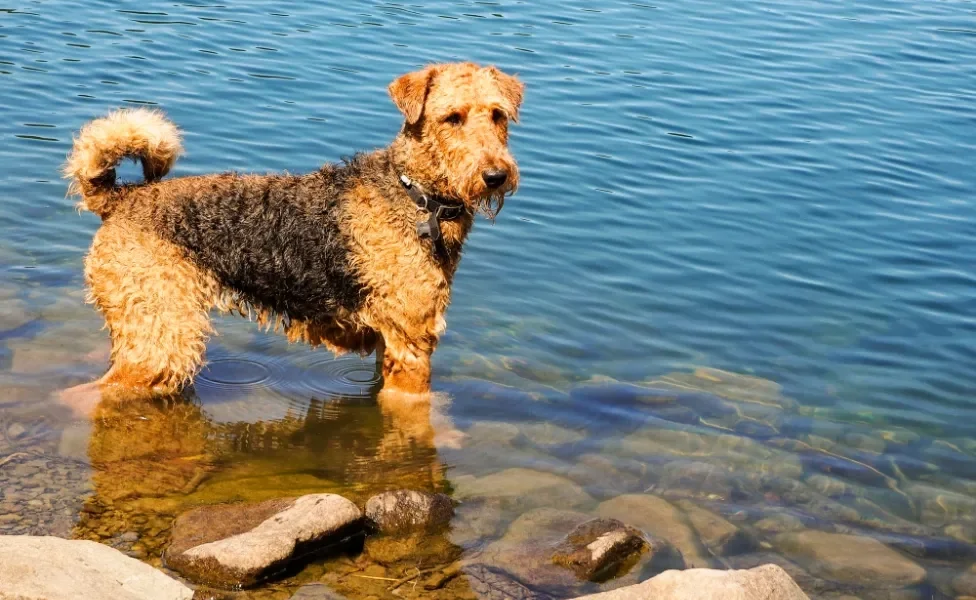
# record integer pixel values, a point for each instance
(776, 189)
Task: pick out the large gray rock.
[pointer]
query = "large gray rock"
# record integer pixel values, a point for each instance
(768, 582)
(239, 545)
(405, 511)
(50, 568)
(850, 559)
(659, 518)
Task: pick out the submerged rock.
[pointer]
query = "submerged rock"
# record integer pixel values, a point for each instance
(768, 582)
(242, 544)
(51, 568)
(599, 548)
(490, 583)
(524, 489)
(659, 518)
(526, 550)
(420, 548)
(316, 591)
(965, 583)
(562, 551)
(716, 533)
(404, 511)
(851, 559)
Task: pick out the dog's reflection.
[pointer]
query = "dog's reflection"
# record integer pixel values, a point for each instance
(156, 456)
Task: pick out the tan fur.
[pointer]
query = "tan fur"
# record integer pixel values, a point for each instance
(139, 133)
(156, 301)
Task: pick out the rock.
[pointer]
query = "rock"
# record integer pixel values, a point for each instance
(420, 548)
(779, 522)
(731, 451)
(659, 518)
(609, 476)
(316, 591)
(814, 586)
(476, 521)
(717, 534)
(240, 545)
(940, 507)
(490, 583)
(547, 434)
(768, 582)
(965, 583)
(15, 431)
(696, 480)
(524, 489)
(51, 568)
(830, 487)
(598, 549)
(963, 533)
(526, 549)
(850, 559)
(404, 511)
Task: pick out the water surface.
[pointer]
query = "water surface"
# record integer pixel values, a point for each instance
(763, 211)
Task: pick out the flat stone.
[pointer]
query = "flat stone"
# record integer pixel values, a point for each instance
(716, 533)
(768, 582)
(240, 545)
(404, 511)
(657, 517)
(597, 549)
(850, 559)
(524, 489)
(50, 568)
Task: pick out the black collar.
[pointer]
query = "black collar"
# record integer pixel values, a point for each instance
(435, 206)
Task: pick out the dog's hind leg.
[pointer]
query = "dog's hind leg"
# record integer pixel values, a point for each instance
(156, 304)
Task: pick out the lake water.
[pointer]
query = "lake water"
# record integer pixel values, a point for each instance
(761, 211)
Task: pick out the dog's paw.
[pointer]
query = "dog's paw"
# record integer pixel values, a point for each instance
(81, 399)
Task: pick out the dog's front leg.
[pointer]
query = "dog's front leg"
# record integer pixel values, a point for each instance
(406, 364)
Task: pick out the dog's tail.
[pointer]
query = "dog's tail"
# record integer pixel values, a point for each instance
(139, 134)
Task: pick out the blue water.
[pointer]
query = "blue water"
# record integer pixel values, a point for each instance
(780, 189)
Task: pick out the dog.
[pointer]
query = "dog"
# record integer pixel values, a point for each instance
(358, 256)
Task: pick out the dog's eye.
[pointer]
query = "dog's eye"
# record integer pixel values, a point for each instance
(498, 116)
(454, 119)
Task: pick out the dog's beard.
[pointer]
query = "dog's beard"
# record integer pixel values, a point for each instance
(491, 204)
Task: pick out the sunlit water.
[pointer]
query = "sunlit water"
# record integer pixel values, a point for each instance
(710, 190)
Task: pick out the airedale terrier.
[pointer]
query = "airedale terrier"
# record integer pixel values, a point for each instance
(358, 256)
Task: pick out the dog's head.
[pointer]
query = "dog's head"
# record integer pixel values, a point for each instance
(456, 131)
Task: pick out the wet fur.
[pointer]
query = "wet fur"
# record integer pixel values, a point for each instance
(329, 258)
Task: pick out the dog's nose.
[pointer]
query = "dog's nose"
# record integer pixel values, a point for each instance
(494, 177)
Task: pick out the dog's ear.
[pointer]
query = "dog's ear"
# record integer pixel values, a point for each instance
(409, 92)
(512, 90)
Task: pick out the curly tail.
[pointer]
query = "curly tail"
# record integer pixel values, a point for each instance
(139, 133)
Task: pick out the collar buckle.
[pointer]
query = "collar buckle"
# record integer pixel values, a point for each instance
(437, 210)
